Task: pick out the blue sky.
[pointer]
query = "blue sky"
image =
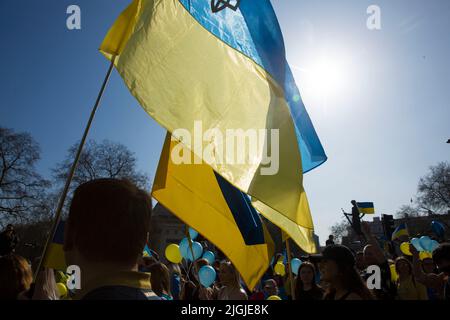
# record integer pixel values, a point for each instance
(382, 112)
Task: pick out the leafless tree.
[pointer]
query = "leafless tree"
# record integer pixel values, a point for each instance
(408, 210)
(22, 189)
(339, 230)
(434, 188)
(101, 160)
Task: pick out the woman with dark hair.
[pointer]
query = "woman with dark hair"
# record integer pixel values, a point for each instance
(160, 280)
(407, 286)
(305, 283)
(15, 276)
(338, 270)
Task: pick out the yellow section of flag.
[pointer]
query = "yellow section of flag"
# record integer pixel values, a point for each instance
(182, 74)
(193, 194)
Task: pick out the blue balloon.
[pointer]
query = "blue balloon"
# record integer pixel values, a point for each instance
(193, 234)
(184, 248)
(207, 276)
(425, 243)
(438, 228)
(197, 248)
(295, 265)
(416, 243)
(434, 245)
(209, 255)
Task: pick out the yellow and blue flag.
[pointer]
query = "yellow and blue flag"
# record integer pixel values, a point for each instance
(401, 230)
(54, 256)
(366, 207)
(146, 252)
(218, 211)
(223, 65)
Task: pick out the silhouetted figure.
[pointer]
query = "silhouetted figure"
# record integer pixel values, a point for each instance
(8, 240)
(356, 218)
(330, 240)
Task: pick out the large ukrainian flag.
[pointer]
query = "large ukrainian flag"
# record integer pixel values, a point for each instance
(221, 213)
(185, 61)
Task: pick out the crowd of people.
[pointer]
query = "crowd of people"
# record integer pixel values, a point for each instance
(108, 226)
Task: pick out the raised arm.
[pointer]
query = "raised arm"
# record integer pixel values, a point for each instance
(429, 280)
(377, 250)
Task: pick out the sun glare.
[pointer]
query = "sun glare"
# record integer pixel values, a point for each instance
(325, 78)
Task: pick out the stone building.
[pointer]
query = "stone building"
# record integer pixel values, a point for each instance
(165, 229)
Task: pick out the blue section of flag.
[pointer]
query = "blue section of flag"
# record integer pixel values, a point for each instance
(245, 216)
(401, 230)
(58, 237)
(147, 250)
(254, 31)
(365, 205)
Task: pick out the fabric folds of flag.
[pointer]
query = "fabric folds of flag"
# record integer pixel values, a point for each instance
(54, 257)
(185, 64)
(400, 231)
(221, 213)
(366, 207)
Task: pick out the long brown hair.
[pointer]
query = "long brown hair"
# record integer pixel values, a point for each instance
(352, 282)
(236, 277)
(299, 282)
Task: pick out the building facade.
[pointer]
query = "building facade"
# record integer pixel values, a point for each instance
(165, 229)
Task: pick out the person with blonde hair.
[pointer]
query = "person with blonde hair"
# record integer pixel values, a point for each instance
(15, 276)
(231, 286)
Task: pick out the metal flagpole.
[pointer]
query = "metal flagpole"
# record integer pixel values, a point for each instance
(74, 166)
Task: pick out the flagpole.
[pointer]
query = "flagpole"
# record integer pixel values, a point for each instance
(288, 249)
(74, 166)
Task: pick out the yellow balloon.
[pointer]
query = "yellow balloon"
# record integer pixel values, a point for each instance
(424, 255)
(280, 269)
(173, 253)
(274, 298)
(394, 275)
(62, 289)
(404, 247)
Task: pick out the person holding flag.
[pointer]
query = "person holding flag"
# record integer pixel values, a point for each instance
(105, 234)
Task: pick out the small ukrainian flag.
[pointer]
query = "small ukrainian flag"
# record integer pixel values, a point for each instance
(147, 252)
(54, 257)
(366, 207)
(401, 230)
